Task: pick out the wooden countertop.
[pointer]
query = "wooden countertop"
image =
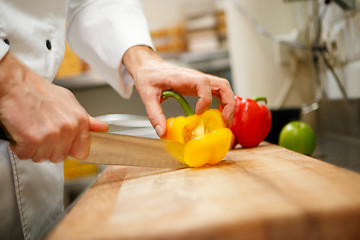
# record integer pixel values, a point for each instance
(266, 192)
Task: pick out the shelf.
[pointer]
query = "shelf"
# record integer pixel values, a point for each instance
(79, 81)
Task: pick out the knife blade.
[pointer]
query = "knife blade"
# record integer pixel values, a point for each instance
(117, 149)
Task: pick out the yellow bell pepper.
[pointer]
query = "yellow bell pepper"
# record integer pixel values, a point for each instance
(206, 138)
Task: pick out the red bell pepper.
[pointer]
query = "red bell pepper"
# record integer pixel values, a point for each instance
(251, 123)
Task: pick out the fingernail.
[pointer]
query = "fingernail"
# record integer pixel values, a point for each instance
(158, 130)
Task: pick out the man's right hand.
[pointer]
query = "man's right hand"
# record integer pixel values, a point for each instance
(46, 121)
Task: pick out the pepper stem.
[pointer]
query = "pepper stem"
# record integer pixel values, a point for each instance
(181, 100)
(257, 99)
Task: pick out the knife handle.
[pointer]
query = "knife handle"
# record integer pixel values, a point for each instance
(4, 133)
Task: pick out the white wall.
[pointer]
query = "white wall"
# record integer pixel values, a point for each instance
(256, 67)
(163, 14)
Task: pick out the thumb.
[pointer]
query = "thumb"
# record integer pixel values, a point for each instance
(156, 116)
(97, 125)
(160, 127)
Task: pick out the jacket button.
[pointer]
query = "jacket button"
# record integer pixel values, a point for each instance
(48, 44)
(6, 41)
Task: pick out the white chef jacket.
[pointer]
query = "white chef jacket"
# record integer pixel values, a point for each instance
(100, 32)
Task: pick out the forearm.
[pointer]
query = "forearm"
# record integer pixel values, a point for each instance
(11, 72)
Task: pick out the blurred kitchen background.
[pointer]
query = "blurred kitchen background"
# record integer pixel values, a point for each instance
(303, 55)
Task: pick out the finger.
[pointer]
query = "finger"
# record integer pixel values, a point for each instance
(63, 148)
(43, 152)
(221, 88)
(22, 151)
(60, 153)
(81, 145)
(205, 96)
(48, 142)
(39, 143)
(155, 113)
(193, 83)
(97, 125)
(187, 82)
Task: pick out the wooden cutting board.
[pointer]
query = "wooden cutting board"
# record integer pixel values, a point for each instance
(266, 192)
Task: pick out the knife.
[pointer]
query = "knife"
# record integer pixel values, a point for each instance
(117, 149)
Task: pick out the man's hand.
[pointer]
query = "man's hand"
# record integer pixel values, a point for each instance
(152, 76)
(46, 121)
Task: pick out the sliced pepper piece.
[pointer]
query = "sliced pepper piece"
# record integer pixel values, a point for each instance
(206, 138)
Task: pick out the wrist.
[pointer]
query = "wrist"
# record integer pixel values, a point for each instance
(137, 57)
(12, 74)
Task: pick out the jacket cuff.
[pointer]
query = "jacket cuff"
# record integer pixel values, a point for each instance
(4, 48)
(102, 40)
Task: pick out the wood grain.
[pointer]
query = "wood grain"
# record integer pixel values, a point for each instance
(266, 192)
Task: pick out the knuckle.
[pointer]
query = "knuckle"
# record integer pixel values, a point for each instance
(224, 83)
(207, 98)
(76, 124)
(29, 140)
(152, 118)
(67, 129)
(81, 147)
(82, 119)
(204, 80)
(50, 136)
(34, 141)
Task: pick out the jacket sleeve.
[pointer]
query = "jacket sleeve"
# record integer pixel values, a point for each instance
(101, 31)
